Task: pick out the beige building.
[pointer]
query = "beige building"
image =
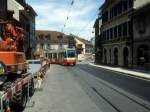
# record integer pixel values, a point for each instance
(52, 40)
(84, 48)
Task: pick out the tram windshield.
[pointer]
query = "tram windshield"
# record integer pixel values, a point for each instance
(71, 53)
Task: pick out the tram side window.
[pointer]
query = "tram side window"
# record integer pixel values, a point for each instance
(55, 55)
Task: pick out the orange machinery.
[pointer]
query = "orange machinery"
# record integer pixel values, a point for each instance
(11, 48)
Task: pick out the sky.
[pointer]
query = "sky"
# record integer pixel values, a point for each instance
(52, 15)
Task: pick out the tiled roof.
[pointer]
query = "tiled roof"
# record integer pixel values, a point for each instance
(52, 36)
(83, 40)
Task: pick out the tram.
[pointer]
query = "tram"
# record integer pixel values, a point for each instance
(62, 56)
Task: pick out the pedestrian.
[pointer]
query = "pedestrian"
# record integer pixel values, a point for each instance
(40, 78)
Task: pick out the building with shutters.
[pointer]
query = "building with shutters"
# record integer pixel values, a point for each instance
(53, 40)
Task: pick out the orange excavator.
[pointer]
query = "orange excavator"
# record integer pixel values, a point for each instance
(16, 84)
(11, 48)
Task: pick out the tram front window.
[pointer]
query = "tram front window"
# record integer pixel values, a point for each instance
(71, 54)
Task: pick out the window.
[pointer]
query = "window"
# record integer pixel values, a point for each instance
(42, 45)
(41, 36)
(104, 35)
(27, 27)
(110, 14)
(48, 37)
(120, 30)
(130, 28)
(125, 29)
(115, 32)
(115, 11)
(111, 33)
(105, 17)
(141, 24)
(70, 53)
(48, 46)
(125, 5)
(119, 5)
(130, 3)
(108, 36)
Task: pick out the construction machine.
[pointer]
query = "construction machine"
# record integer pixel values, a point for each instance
(16, 84)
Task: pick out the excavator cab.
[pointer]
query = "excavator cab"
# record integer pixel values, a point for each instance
(11, 48)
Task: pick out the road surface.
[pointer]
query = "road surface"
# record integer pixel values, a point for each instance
(84, 88)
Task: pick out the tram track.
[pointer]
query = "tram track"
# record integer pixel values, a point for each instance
(106, 99)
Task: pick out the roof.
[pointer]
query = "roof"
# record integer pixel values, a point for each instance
(83, 40)
(52, 36)
(106, 3)
(31, 9)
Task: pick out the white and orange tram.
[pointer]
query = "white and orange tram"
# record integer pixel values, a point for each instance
(62, 56)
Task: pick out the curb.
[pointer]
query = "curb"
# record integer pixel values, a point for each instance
(125, 72)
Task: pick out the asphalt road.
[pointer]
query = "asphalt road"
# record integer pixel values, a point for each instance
(136, 86)
(84, 88)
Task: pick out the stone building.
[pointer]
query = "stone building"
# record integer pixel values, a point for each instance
(141, 32)
(116, 32)
(27, 19)
(124, 36)
(98, 47)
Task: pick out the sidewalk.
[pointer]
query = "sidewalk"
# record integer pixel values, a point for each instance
(124, 71)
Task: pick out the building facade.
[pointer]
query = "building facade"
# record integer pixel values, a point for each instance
(119, 36)
(3, 9)
(98, 47)
(116, 32)
(141, 41)
(27, 20)
(84, 48)
(53, 40)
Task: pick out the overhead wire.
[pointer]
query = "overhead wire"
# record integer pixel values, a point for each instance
(68, 14)
(86, 25)
(68, 17)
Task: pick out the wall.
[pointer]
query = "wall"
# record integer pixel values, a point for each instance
(141, 25)
(139, 3)
(16, 7)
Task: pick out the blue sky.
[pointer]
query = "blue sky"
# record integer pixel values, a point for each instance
(52, 15)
